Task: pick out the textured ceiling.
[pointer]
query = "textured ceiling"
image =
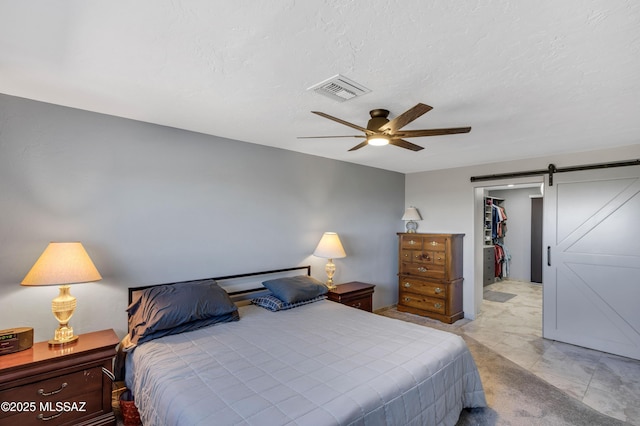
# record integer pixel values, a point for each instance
(530, 78)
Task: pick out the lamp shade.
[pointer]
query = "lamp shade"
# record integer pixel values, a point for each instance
(330, 247)
(62, 263)
(411, 213)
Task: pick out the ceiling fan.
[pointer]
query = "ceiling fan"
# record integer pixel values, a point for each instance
(382, 131)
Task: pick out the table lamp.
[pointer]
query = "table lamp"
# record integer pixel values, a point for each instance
(330, 248)
(411, 214)
(62, 264)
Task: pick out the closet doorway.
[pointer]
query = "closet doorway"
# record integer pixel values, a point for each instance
(516, 238)
(512, 233)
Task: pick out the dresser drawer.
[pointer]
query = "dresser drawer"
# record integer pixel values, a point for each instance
(408, 255)
(423, 270)
(421, 256)
(423, 287)
(434, 243)
(423, 302)
(439, 258)
(411, 242)
(489, 254)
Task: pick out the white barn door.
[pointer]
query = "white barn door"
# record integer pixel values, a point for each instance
(591, 277)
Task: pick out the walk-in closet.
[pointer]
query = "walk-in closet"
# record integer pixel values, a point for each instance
(512, 234)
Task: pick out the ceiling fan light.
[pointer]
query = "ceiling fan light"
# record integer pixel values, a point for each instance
(378, 140)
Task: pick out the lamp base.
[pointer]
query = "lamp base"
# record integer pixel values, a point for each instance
(63, 307)
(58, 343)
(330, 285)
(411, 227)
(330, 269)
(63, 336)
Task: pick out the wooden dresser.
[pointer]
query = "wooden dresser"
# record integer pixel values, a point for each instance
(430, 275)
(59, 385)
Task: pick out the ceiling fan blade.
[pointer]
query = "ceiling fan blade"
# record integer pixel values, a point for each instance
(405, 118)
(360, 145)
(405, 144)
(432, 132)
(346, 123)
(323, 137)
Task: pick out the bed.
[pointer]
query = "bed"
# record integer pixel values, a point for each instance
(313, 362)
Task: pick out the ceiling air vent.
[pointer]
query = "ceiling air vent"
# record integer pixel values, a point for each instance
(339, 88)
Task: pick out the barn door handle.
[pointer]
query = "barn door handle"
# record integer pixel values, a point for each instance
(548, 255)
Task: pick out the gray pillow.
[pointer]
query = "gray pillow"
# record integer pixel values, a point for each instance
(170, 309)
(295, 289)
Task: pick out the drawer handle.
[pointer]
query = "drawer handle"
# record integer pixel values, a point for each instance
(109, 374)
(43, 393)
(44, 419)
(434, 243)
(407, 285)
(422, 269)
(438, 290)
(412, 242)
(357, 305)
(406, 255)
(407, 299)
(439, 258)
(437, 305)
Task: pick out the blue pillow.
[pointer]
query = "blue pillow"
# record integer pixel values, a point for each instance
(274, 304)
(295, 289)
(170, 309)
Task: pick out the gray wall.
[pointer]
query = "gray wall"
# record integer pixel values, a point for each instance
(153, 204)
(450, 203)
(517, 203)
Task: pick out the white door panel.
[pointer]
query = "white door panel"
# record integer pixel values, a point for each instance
(592, 278)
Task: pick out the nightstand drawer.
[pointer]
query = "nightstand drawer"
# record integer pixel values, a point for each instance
(363, 303)
(423, 287)
(57, 389)
(55, 411)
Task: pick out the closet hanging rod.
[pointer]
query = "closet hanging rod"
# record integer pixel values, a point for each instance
(551, 169)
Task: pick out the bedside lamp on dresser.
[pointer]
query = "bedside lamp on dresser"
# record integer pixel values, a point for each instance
(62, 264)
(411, 215)
(330, 248)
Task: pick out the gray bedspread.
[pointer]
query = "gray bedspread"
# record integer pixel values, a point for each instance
(318, 364)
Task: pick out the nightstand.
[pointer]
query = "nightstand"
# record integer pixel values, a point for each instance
(62, 385)
(356, 294)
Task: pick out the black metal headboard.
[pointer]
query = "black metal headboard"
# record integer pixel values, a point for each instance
(228, 277)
